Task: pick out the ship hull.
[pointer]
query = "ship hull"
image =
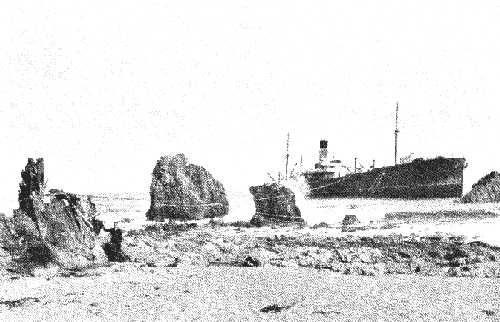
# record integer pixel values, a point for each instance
(433, 178)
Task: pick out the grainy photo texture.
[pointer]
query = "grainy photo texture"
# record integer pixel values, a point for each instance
(234, 160)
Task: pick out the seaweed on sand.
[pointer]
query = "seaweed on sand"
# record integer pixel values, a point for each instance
(20, 302)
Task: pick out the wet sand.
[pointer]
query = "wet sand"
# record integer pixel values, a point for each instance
(131, 292)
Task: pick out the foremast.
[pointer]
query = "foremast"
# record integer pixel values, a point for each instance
(396, 131)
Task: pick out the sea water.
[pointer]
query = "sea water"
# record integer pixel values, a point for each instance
(422, 217)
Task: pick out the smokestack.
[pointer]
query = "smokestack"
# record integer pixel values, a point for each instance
(323, 151)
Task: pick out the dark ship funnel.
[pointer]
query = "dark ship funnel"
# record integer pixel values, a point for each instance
(323, 151)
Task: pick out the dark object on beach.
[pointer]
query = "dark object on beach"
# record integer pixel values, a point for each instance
(275, 308)
(59, 231)
(251, 262)
(487, 189)
(325, 313)
(488, 312)
(320, 225)
(97, 225)
(350, 220)
(113, 249)
(350, 223)
(274, 204)
(17, 303)
(184, 191)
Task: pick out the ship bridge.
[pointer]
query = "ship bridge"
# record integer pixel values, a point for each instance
(325, 164)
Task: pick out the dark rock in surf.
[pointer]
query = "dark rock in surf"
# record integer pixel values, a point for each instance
(487, 189)
(274, 204)
(320, 225)
(350, 223)
(350, 220)
(184, 191)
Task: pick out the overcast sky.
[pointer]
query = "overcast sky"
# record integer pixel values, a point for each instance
(102, 89)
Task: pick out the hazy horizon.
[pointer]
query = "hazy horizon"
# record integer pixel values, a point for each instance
(102, 90)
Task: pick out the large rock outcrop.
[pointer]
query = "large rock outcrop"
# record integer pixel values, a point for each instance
(184, 191)
(59, 231)
(487, 189)
(274, 204)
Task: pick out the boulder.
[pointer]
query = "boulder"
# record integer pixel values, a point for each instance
(59, 231)
(274, 204)
(184, 191)
(351, 223)
(350, 220)
(487, 189)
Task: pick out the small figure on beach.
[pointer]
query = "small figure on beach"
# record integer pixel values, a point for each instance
(113, 249)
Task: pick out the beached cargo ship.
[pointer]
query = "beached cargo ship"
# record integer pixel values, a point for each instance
(432, 178)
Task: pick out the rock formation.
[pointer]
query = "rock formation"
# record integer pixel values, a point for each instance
(274, 204)
(350, 223)
(6, 231)
(487, 189)
(32, 185)
(184, 191)
(350, 220)
(56, 232)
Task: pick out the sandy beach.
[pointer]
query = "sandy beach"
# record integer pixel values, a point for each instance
(391, 269)
(131, 292)
(188, 273)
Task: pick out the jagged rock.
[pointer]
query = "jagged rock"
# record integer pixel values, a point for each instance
(274, 204)
(59, 231)
(487, 189)
(32, 185)
(6, 231)
(62, 232)
(184, 191)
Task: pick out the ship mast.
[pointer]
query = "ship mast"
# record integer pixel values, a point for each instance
(396, 131)
(287, 155)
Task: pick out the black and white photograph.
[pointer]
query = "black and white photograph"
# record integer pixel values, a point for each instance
(235, 160)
